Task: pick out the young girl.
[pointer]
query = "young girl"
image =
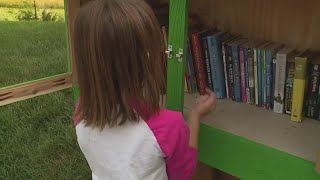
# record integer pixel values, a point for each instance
(121, 128)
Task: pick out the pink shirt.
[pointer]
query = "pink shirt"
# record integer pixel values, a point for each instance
(157, 148)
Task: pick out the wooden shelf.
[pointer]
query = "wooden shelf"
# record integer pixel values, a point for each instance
(265, 127)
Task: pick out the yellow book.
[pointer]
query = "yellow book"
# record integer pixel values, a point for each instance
(299, 85)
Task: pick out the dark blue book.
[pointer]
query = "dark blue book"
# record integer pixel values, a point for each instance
(236, 73)
(269, 63)
(216, 62)
(190, 62)
(246, 63)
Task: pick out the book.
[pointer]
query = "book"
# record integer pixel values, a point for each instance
(299, 87)
(230, 72)
(199, 65)
(256, 55)
(312, 102)
(225, 69)
(216, 61)
(192, 80)
(226, 66)
(242, 75)
(236, 69)
(270, 53)
(289, 85)
(207, 61)
(251, 75)
(187, 79)
(261, 73)
(274, 60)
(281, 62)
(256, 87)
(246, 63)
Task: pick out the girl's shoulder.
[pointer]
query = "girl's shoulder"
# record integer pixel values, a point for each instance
(167, 119)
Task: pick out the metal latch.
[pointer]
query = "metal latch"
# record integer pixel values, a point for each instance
(179, 55)
(169, 51)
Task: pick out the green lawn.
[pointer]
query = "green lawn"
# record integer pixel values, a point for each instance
(31, 50)
(38, 140)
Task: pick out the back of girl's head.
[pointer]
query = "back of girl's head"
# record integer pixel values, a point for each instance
(118, 52)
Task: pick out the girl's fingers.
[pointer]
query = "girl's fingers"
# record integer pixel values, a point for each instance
(209, 92)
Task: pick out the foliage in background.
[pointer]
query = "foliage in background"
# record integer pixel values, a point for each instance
(11, 14)
(25, 15)
(31, 50)
(56, 4)
(38, 140)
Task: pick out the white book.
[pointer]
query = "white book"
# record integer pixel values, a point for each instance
(280, 79)
(225, 70)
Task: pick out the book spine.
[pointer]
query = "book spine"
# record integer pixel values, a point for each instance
(219, 69)
(251, 75)
(199, 66)
(225, 68)
(247, 75)
(256, 87)
(185, 85)
(213, 63)
(259, 78)
(237, 75)
(313, 89)
(273, 69)
(279, 83)
(207, 62)
(242, 73)
(187, 77)
(268, 78)
(191, 69)
(264, 79)
(231, 73)
(289, 87)
(298, 89)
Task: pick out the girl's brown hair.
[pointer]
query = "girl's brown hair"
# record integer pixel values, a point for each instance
(119, 55)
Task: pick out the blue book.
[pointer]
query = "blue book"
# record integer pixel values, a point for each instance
(246, 63)
(268, 77)
(192, 77)
(260, 78)
(216, 62)
(236, 72)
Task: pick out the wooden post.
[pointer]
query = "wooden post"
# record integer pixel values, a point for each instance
(72, 8)
(178, 29)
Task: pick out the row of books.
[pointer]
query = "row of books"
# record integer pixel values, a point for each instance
(269, 75)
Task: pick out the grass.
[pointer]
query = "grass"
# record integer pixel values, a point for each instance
(38, 140)
(29, 3)
(31, 50)
(37, 137)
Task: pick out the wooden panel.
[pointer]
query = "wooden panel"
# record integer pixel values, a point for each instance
(293, 22)
(177, 38)
(204, 172)
(73, 7)
(33, 89)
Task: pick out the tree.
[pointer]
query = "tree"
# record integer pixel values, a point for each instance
(35, 9)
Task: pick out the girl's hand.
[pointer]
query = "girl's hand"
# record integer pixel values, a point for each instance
(205, 104)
